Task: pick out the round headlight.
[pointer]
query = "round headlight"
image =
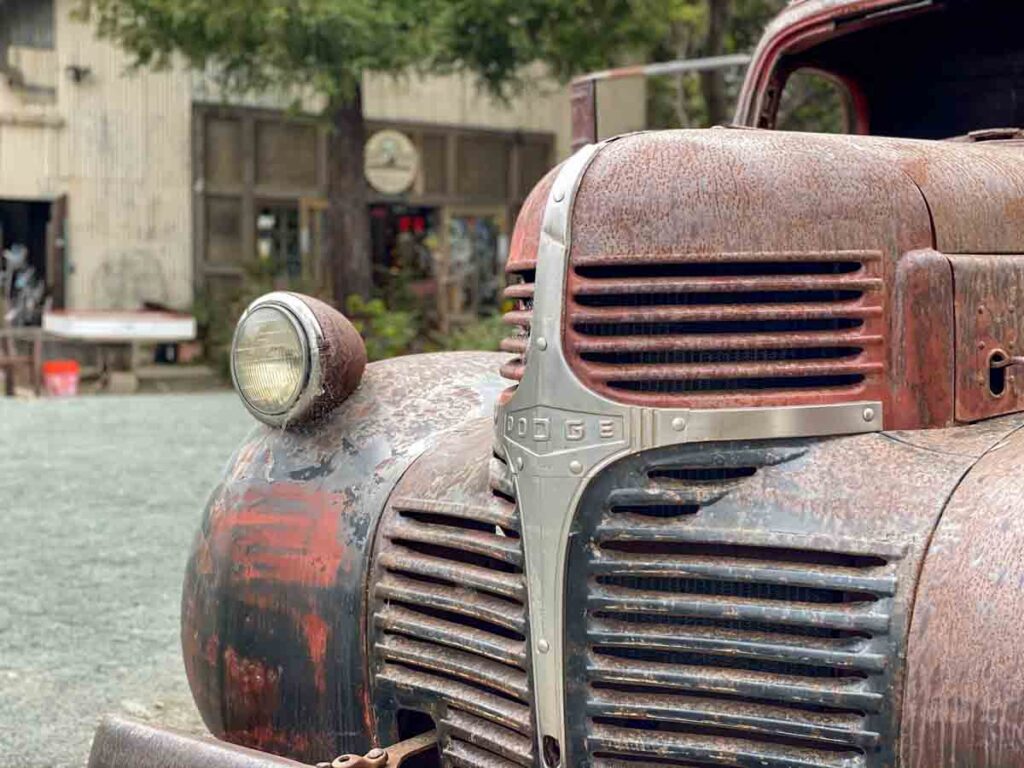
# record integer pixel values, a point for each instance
(294, 358)
(271, 360)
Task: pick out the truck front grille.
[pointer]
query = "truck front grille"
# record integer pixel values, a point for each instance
(727, 329)
(450, 624)
(519, 291)
(705, 641)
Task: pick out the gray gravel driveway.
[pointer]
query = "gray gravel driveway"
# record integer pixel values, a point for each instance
(99, 499)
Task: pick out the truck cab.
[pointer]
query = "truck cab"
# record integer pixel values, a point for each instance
(743, 488)
(937, 69)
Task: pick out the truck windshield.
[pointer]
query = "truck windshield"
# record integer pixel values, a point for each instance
(953, 68)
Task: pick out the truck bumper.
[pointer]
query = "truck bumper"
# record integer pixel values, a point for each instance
(124, 744)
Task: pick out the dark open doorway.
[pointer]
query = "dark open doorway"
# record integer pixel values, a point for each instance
(39, 226)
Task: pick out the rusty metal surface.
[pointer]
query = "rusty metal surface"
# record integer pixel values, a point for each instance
(775, 271)
(273, 631)
(975, 192)
(125, 744)
(989, 299)
(973, 443)
(583, 98)
(450, 634)
(922, 356)
(738, 610)
(963, 705)
(392, 757)
(343, 357)
(761, 228)
(520, 271)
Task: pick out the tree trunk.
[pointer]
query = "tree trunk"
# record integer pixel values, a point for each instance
(713, 82)
(347, 246)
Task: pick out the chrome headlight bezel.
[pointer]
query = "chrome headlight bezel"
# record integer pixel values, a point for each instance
(311, 338)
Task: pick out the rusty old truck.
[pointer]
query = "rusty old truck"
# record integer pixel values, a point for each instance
(745, 488)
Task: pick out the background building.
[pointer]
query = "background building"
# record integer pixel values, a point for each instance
(148, 187)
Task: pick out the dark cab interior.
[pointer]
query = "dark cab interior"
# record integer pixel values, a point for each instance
(927, 70)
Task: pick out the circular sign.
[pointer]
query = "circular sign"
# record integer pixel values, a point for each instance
(392, 162)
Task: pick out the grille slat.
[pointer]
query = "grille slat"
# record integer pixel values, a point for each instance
(717, 342)
(725, 312)
(731, 371)
(763, 329)
(713, 749)
(514, 344)
(407, 622)
(396, 588)
(498, 512)
(520, 291)
(707, 642)
(681, 285)
(827, 652)
(477, 542)
(717, 568)
(459, 754)
(755, 718)
(723, 263)
(453, 572)
(450, 629)
(491, 737)
(762, 686)
(467, 666)
(459, 695)
(857, 619)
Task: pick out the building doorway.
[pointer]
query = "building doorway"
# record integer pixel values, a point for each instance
(477, 248)
(38, 227)
(406, 246)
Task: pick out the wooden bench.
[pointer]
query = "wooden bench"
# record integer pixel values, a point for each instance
(11, 362)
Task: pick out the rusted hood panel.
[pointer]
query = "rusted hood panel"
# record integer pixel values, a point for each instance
(963, 699)
(728, 191)
(975, 192)
(272, 608)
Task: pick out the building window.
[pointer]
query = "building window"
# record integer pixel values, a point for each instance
(277, 240)
(224, 231)
(27, 24)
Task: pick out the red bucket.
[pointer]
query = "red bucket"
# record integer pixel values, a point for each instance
(60, 377)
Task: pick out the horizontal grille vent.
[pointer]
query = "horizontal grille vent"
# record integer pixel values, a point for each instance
(520, 292)
(450, 624)
(716, 644)
(756, 328)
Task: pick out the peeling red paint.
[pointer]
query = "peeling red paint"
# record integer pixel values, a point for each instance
(316, 636)
(284, 532)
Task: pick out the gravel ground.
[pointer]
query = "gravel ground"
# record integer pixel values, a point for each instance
(99, 499)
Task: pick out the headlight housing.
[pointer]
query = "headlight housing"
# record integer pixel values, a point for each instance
(294, 358)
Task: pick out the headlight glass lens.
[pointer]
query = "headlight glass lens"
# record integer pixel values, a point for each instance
(269, 360)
